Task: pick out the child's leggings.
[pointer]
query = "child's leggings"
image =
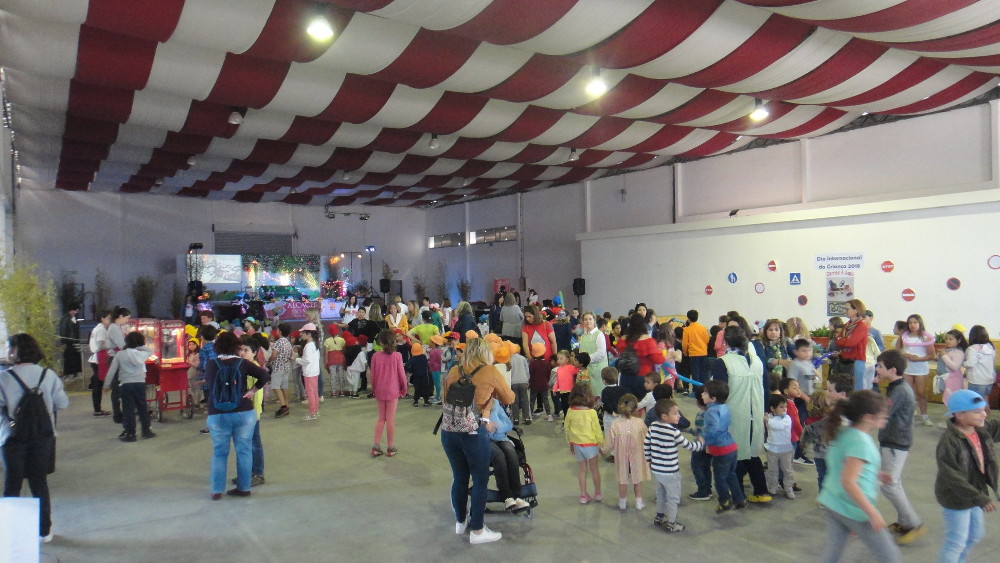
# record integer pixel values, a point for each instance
(338, 379)
(386, 420)
(312, 393)
(436, 376)
(541, 398)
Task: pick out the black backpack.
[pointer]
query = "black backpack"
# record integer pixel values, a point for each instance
(628, 362)
(227, 391)
(31, 420)
(458, 412)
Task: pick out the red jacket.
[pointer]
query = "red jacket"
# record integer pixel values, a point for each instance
(854, 341)
(647, 350)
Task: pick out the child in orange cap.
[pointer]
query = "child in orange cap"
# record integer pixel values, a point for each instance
(435, 357)
(420, 375)
(538, 380)
(501, 360)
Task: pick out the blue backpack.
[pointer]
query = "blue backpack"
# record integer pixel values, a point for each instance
(227, 391)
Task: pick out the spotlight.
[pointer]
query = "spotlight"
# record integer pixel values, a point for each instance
(191, 161)
(346, 176)
(364, 217)
(466, 182)
(329, 212)
(759, 110)
(596, 86)
(369, 249)
(319, 27)
(433, 144)
(236, 117)
(195, 246)
(573, 157)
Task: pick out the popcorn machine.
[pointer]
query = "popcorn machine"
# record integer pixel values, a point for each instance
(166, 371)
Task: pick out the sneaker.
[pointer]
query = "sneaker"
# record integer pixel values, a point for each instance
(803, 461)
(724, 507)
(416, 404)
(740, 505)
(203, 431)
(926, 420)
(672, 527)
(520, 505)
(516, 421)
(127, 438)
(216, 496)
(509, 504)
(941, 425)
(639, 504)
(391, 451)
(598, 497)
(355, 396)
(485, 535)
(376, 451)
(549, 418)
(257, 480)
(912, 534)
(46, 539)
(536, 412)
(759, 499)
(527, 422)
(310, 417)
(658, 520)
(123, 434)
(897, 528)
(789, 494)
(700, 496)
(796, 488)
(304, 402)
(148, 434)
(282, 411)
(321, 398)
(584, 499)
(234, 492)
(461, 526)
(622, 504)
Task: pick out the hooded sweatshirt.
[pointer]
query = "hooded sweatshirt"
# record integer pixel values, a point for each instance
(130, 365)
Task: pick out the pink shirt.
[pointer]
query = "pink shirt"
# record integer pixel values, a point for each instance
(387, 376)
(434, 359)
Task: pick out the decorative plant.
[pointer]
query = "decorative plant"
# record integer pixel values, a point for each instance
(419, 287)
(822, 331)
(28, 304)
(441, 281)
(386, 271)
(177, 301)
(102, 292)
(143, 292)
(70, 292)
(362, 288)
(939, 337)
(464, 288)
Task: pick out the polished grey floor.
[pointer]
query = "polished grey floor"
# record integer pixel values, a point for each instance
(327, 500)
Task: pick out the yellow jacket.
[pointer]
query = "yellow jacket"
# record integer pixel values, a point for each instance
(582, 427)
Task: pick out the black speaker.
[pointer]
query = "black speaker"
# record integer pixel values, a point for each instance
(579, 286)
(196, 287)
(384, 285)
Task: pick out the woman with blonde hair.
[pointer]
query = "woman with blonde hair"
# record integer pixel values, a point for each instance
(469, 453)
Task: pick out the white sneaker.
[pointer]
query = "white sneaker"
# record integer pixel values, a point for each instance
(460, 526)
(622, 504)
(509, 504)
(46, 539)
(927, 420)
(639, 504)
(321, 398)
(485, 535)
(521, 504)
(789, 493)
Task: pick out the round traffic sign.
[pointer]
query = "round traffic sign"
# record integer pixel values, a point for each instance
(772, 266)
(758, 287)
(887, 266)
(732, 277)
(708, 290)
(953, 283)
(803, 299)
(908, 295)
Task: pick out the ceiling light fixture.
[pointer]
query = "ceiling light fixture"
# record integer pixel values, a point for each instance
(319, 27)
(596, 86)
(236, 117)
(759, 110)
(573, 157)
(433, 143)
(365, 217)
(466, 182)
(346, 176)
(191, 161)
(330, 214)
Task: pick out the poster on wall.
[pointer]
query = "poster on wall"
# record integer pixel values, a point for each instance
(221, 268)
(839, 268)
(501, 282)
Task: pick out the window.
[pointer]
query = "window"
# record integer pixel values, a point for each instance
(445, 240)
(494, 234)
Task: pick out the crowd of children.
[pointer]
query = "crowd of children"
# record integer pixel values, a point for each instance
(807, 422)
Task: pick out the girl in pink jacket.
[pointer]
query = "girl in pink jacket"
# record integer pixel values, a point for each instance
(388, 385)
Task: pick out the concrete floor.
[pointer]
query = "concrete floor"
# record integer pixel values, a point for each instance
(327, 500)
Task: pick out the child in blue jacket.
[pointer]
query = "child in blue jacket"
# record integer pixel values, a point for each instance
(721, 445)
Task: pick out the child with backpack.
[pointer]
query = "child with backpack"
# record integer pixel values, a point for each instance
(389, 386)
(30, 395)
(129, 368)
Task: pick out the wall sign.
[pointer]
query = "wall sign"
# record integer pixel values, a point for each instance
(908, 295)
(803, 299)
(772, 265)
(888, 266)
(708, 290)
(953, 283)
(759, 288)
(993, 262)
(847, 261)
(732, 277)
(795, 278)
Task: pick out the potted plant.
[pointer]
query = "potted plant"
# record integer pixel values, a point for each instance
(419, 287)
(821, 335)
(143, 292)
(464, 288)
(28, 304)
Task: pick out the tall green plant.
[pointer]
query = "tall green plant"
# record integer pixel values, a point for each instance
(177, 302)
(441, 284)
(102, 293)
(464, 288)
(28, 304)
(419, 287)
(70, 293)
(143, 292)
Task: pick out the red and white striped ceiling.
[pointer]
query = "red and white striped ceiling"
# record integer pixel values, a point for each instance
(129, 96)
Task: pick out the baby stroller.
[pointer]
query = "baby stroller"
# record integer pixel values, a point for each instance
(529, 491)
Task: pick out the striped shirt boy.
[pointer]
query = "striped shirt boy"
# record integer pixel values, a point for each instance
(660, 447)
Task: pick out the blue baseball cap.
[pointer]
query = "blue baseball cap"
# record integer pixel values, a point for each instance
(965, 400)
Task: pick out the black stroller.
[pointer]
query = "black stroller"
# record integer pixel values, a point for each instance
(529, 491)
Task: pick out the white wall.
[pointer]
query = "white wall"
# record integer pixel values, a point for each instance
(648, 199)
(552, 218)
(671, 269)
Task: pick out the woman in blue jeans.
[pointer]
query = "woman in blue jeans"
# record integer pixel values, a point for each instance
(469, 453)
(236, 425)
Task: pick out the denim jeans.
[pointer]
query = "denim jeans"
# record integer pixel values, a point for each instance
(727, 485)
(469, 456)
(701, 467)
(962, 530)
(859, 376)
(134, 402)
(258, 451)
(820, 470)
(699, 368)
(238, 427)
(983, 390)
